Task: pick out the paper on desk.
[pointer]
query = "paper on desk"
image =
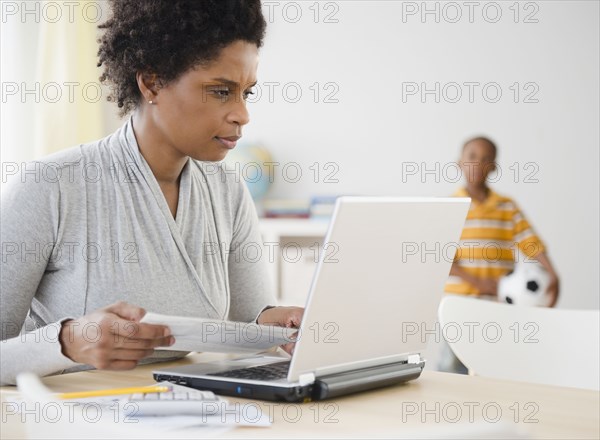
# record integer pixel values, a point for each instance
(221, 413)
(206, 335)
(73, 418)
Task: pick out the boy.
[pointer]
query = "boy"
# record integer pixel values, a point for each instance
(494, 226)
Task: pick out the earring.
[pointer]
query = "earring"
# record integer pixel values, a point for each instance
(151, 102)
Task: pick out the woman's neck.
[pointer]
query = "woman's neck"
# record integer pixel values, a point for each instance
(165, 162)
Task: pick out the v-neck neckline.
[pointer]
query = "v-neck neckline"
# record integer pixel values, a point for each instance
(183, 192)
(176, 222)
(183, 195)
(175, 225)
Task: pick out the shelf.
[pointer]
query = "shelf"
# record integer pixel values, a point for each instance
(292, 227)
(291, 280)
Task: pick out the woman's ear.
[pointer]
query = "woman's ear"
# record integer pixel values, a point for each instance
(148, 85)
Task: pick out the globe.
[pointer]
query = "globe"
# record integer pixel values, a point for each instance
(254, 164)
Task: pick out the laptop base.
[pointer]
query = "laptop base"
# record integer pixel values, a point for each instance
(325, 387)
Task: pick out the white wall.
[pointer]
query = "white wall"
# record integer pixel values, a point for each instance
(372, 135)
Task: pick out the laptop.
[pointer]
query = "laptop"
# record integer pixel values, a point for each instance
(381, 272)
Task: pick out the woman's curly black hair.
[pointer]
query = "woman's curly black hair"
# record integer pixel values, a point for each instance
(168, 37)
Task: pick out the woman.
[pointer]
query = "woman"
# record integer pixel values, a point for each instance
(142, 220)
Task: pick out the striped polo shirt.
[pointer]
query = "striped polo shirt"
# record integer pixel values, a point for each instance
(494, 229)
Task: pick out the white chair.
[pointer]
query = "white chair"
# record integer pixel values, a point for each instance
(530, 344)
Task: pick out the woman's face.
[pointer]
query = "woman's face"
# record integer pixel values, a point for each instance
(202, 113)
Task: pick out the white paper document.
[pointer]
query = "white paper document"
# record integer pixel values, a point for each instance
(54, 418)
(207, 335)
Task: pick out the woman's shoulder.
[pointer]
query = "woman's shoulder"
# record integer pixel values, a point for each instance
(58, 172)
(39, 176)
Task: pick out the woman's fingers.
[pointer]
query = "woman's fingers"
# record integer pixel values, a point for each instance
(282, 316)
(112, 338)
(289, 347)
(130, 355)
(136, 330)
(126, 310)
(121, 342)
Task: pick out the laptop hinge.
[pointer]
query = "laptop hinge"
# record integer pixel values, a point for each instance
(414, 359)
(306, 379)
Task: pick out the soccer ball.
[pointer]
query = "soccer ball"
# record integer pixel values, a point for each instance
(525, 286)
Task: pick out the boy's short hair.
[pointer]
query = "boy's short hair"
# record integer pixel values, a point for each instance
(482, 139)
(168, 37)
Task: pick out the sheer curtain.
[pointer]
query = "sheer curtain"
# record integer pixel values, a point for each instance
(51, 95)
(70, 108)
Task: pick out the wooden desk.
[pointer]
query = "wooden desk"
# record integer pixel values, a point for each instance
(435, 399)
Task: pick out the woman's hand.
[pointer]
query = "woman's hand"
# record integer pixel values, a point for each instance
(112, 338)
(290, 317)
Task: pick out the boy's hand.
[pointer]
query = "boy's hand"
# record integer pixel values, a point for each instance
(552, 290)
(112, 338)
(487, 286)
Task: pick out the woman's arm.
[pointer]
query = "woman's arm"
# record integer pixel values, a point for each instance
(29, 219)
(249, 282)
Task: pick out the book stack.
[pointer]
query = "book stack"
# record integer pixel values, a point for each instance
(321, 207)
(286, 208)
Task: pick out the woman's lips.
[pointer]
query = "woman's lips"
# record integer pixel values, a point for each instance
(228, 142)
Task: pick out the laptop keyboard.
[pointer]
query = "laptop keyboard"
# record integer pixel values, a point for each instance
(277, 370)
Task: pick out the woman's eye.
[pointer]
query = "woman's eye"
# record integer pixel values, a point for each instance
(221, 93)
(247, 93)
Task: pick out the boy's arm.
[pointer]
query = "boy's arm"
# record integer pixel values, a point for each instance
(486, 286)
(532, 246)
(553, 287)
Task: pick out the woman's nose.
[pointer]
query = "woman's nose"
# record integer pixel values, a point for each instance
(239, 114)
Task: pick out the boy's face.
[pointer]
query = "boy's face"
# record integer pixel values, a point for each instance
(477, 162)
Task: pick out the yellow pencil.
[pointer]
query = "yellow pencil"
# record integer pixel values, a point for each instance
(114, 392)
